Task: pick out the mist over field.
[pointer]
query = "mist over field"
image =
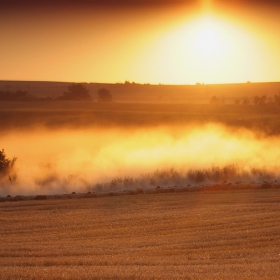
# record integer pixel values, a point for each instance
(95, 159)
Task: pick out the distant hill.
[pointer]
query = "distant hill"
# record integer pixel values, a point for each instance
(131, 92)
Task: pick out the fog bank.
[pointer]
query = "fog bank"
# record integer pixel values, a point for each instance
(55, 162)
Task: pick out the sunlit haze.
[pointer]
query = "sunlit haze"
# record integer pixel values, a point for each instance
(182, 43)
(83, 157)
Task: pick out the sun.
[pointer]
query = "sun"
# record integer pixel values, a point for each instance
(208, 38)
(207, 48)
(200, 47)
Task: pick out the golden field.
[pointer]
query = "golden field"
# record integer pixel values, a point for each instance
(200, 235)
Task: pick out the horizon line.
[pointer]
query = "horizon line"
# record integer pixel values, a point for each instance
(137, 83)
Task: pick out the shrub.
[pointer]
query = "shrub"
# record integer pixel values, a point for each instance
(76, 92)
(104, 95)
(40, 197)
(6, 164)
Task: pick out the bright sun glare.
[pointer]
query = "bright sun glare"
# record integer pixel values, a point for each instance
(208, 38)
(207, 47)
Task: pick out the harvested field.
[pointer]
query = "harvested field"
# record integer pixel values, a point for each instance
(193, 235)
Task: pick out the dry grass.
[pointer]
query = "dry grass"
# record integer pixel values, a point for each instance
(228, 177)
(203, 235)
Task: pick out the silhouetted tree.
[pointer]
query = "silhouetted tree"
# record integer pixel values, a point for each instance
(236, 101)
(263, 100)
(259, 100)
(6, 164)
(214, 100)
(19, 95)
(104, 95)
(277, 99)
(76, 92)
(245, 101)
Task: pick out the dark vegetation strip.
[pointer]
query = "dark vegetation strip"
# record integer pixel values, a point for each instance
(85, 115)
(157, 190)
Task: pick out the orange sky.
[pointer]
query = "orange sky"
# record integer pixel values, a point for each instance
(197, 41)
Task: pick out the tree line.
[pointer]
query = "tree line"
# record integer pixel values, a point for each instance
(256, 100)
(74, 92)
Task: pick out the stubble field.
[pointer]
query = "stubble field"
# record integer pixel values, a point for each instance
(200, 235)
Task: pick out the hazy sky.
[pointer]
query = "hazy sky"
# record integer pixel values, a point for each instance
(148, 41)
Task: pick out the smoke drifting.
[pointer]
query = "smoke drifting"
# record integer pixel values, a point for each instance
(55, 162)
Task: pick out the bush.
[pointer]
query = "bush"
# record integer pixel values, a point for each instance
(104, 95)
(40, 197)
(6, 164)
(19, 95)
(76, 92)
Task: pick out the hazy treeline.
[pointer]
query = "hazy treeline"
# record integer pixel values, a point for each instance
(75, 92)
(256, 100)
(133, 92)
(19, 95)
